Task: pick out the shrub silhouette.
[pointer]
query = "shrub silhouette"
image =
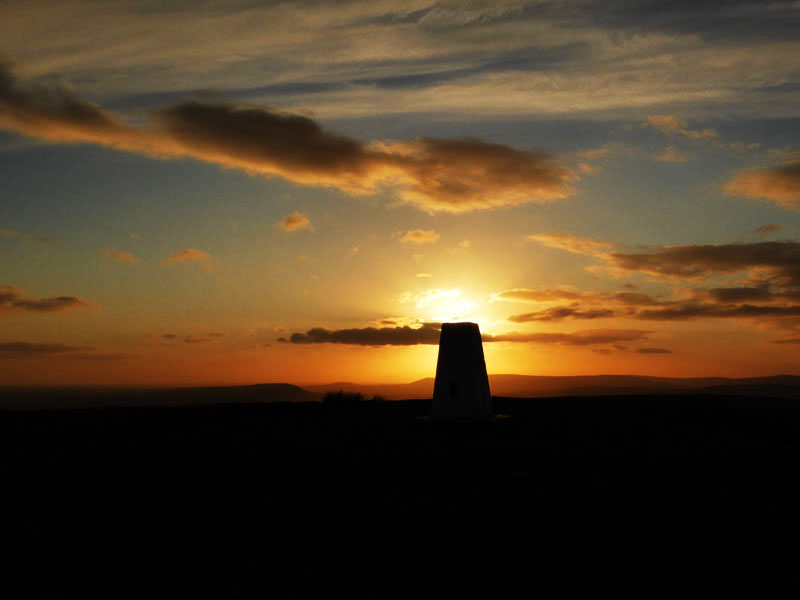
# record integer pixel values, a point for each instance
(342, 398)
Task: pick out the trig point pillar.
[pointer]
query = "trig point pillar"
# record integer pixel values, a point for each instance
(461, 390)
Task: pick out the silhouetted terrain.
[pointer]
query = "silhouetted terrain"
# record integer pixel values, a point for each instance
(639, 496)
(100, 396)
(539, 386)
(513, 386)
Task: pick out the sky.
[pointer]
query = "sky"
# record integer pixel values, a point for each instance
(236, 192)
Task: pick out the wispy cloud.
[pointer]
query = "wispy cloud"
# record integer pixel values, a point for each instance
(10, 234)
(670, 155)
(676, 125)
(186, 255)
(294, 221)
(122, 256)
(420, 236)
(30, 350)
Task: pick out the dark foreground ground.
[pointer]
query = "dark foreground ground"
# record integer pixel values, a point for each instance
(569, 498)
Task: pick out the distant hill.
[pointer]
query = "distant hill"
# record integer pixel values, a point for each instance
(89, 397)
(540, 386)
(509, 386)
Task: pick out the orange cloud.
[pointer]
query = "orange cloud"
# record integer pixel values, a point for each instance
(433, 174)
(185, 255)
(670, 155)
(294, 221)
(780, 185)
(420, 236)
(673, 124)
(121, 256)
(574, 244)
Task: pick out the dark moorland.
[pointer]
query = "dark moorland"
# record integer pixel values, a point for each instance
(574, 497)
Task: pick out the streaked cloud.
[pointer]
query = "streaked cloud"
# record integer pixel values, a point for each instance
(33, 350)
(429, 334)
(433, 174)
(574, 244)
(10, 234)
(370, 336)
(586, 337)
(11, 299)
(653, 351)
(186, 255)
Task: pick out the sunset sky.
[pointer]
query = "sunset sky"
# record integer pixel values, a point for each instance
(242, 192)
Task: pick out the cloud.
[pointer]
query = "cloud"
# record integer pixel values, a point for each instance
(186, 255)
(767, 229)
(673, 124)
(294, 221)
(170, 336)
(588, 169)
(191, 339)
(698, 261)
(28, 350)
(424, 275)
(468, 174)
(559, 313)
(217, 334)
(789, 341)
(574, 244)
(690, 310)
(653, 351)
(556, 295)
(11, 299)
(10, 234)
(433, 174)
(584, 337)
(780, 184)
(370, 336)
(670, 155)
(420, 236)
(428, 334)
(121, 256)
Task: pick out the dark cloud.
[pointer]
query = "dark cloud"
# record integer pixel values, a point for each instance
(433, 174)
(578, 338)
(782, 259)
(370, 336)
(789, 341)
(653, 351)
(191, 339)
(106, 356)
(690, 310)
(780, 184)
(429, 334)
(29, 350)
(170, 336)
(11, 299)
